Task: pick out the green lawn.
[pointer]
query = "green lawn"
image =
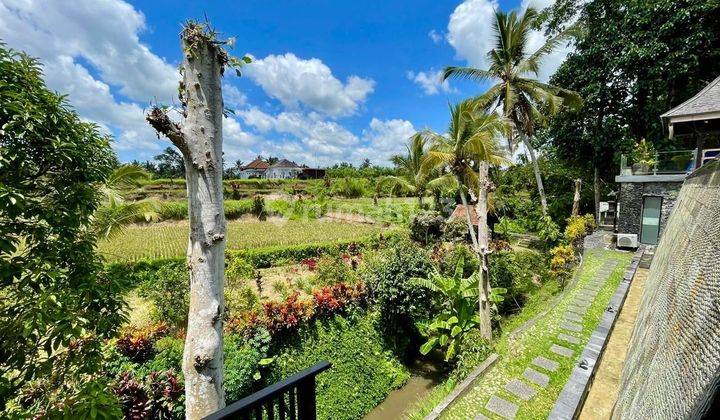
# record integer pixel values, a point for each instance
(517, 350)
(165, 240)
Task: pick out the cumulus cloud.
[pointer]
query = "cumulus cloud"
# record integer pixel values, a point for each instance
(67, 36)
(313, 139)
(470, 34)
(430, 81)
(295, 81)
(232, 96)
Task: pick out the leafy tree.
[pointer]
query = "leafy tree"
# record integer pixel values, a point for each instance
(524, 101)
(170, 164)
(632, 61)
(56, 305)
(466, 152)
(271, 160)
(365, 164)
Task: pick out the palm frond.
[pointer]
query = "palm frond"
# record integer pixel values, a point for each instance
(469, 73)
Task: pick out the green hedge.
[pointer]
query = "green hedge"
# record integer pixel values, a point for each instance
(178, 210)
(363, 371)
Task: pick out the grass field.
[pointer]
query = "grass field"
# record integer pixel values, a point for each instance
(165, 240)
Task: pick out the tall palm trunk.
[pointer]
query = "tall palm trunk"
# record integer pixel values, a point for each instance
(483, 251)
(536, 169)
(463, 198)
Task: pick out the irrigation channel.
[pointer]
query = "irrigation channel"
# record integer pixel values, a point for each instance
(425, 375)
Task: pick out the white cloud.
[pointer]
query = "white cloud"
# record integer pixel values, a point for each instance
(294, 81)
(383, 139)
(430, 81)
(314, 140)
(470, 33)
(436, 36)
(232, 96)
(66, 35)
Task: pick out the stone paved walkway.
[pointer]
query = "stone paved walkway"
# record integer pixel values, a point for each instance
(604, 389)
(526, 386)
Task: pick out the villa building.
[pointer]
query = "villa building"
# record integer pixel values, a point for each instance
(254, 169)
(282, 169)
(647, 194)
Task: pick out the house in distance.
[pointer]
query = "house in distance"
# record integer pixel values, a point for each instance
(281, 169)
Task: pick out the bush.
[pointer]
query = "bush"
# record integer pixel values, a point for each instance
(349, 187)
(590, 223)
(363, 371)
(448, 256)
(242, 357)
(547, 231)
(258, 207)
(388, 276)
(456, 230)
(427, 226)
(169, 289)
(575, 230)
(561, 264)
(331, 270)
(473, 350)
(157, 396)
(138, 344)
(520, 272)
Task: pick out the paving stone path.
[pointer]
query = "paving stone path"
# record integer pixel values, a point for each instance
(535, 378)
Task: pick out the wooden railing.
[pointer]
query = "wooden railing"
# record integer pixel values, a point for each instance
(292, 399)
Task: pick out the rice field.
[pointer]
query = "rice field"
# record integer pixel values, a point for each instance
(167, 240)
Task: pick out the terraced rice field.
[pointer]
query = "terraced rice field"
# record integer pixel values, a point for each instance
(166, 240)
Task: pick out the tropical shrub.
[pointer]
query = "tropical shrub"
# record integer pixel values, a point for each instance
(169, 289)
(242, 358)
(283, 316)
(447, 257)
(388, 274)
(330, 270)
(520, 273)
(258, 207)
(472, 351)
(157, 396)
(590, 223)
(459, 315)
(349, 187)
(338, 297)
(547, 230)
(456, 230)
(575, 230)
(363, 371)
(427, 226)
(563, 258)
(138, 344)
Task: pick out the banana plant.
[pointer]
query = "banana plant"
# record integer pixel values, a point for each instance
(459, 297)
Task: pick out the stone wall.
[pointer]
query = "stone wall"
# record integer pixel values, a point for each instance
(672, 369)
(631, 199)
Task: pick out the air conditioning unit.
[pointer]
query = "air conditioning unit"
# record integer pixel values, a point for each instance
(627, 240)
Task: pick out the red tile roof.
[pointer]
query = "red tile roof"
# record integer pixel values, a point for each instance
(256, 164)
(460, 212)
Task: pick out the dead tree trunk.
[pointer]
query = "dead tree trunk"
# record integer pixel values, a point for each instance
(483, 249)
(199, 138)
(576, 198)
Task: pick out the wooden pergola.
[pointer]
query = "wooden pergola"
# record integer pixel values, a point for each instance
(697, 118)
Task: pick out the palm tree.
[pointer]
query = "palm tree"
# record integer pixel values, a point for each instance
(411, 176)
(114, 211)
(464, 155)
(524, 100)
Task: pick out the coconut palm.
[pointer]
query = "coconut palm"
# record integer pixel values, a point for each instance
(464, 155)
(524, 100)
(411, 176)
(114, 211)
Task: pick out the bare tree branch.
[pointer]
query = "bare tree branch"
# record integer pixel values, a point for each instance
(161, 122)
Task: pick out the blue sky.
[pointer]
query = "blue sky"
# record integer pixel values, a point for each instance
(332, 80)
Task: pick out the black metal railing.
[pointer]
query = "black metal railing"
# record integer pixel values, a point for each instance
(292, 399)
